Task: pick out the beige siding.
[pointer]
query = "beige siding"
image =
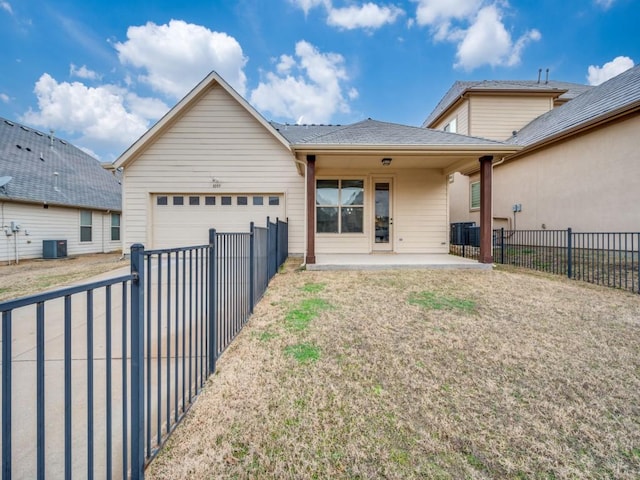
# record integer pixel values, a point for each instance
(497, 116)
(461, 114)
(216, 138)
(421, 212)
(420, 217)
(459, 198)
(54, 223)
(589, 183)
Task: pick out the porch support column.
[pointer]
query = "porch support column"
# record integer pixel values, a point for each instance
(311, 210)
(486, 214)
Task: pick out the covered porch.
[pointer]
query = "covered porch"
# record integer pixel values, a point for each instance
(394, 261)
(376, 194)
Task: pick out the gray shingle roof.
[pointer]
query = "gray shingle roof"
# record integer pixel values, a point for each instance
(620, 92)
(569, 91)
(299, 133)
(32, 158)
(373, 132)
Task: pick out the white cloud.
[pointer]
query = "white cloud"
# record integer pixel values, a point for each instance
(487, 41)
(178, 55)
(478, 30)
(307, 5)
(604, 3)
(6, 6)
(438, 12)
(4, 98)
(367, 16)
(598, 75)
(83, 72)
(312, 88)
(106, 116)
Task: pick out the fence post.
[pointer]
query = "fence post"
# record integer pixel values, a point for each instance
(502, 245)
(252, 267)
(277, 244)
(137, 361)
(213, 303)
(569, 253)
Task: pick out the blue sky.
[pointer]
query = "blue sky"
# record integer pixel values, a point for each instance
(100, 73)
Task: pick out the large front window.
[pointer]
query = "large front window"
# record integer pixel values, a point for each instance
(339, 206)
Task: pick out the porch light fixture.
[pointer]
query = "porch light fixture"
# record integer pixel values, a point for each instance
(386, 161)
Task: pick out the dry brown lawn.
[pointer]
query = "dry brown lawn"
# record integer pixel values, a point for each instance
(33, 276)
(421, 374)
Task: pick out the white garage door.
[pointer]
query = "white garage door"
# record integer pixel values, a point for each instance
(185, 219)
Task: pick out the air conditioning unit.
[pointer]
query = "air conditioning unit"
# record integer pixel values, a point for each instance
(54, 248)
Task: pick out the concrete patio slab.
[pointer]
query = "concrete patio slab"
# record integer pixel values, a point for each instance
(394, 261)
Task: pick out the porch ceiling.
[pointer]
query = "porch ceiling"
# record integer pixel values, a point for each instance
(445, 160)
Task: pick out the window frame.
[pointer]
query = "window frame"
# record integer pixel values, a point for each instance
(84, 226)
(340, 206)
(115, 228)
(471, 195)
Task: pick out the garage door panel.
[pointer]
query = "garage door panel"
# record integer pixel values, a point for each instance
(189, 224)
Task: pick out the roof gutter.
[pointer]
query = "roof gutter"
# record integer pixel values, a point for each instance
(432, 150)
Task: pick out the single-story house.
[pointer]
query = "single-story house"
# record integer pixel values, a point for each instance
(579, 165)
(55, 200)
(365, 188)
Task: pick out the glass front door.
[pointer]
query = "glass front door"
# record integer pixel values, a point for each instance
(383, 220)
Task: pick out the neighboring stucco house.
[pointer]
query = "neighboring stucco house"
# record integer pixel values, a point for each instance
(368, 187)
(53, 191)
(579, 165)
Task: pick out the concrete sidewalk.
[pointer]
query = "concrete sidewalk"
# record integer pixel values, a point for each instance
(24, 380)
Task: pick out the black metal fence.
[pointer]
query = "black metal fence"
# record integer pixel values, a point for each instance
(96, 377)
(605, 258)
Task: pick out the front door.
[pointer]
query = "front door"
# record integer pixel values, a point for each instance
(383, 215)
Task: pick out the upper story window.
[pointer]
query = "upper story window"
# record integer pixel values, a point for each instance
(452, 126)
(339, 206)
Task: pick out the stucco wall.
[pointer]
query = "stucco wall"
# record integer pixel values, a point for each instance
(590, 183)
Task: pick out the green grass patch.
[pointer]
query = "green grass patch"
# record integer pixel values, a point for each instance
(313, 287)
(433, 301)
(303, 352)
(299, 318)
(266, 336)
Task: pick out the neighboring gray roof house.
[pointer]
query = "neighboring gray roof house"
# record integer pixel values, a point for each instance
(615, 97)
(50, 171)
(374, 132)
(565, 91)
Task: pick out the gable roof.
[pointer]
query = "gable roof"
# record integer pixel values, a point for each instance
(376, 134)
(192, 97)
(32, 159)
(562, 91)
(617, 96)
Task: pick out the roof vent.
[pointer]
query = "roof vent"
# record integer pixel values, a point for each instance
(24, 128)
(19, 146)
(9, 123)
